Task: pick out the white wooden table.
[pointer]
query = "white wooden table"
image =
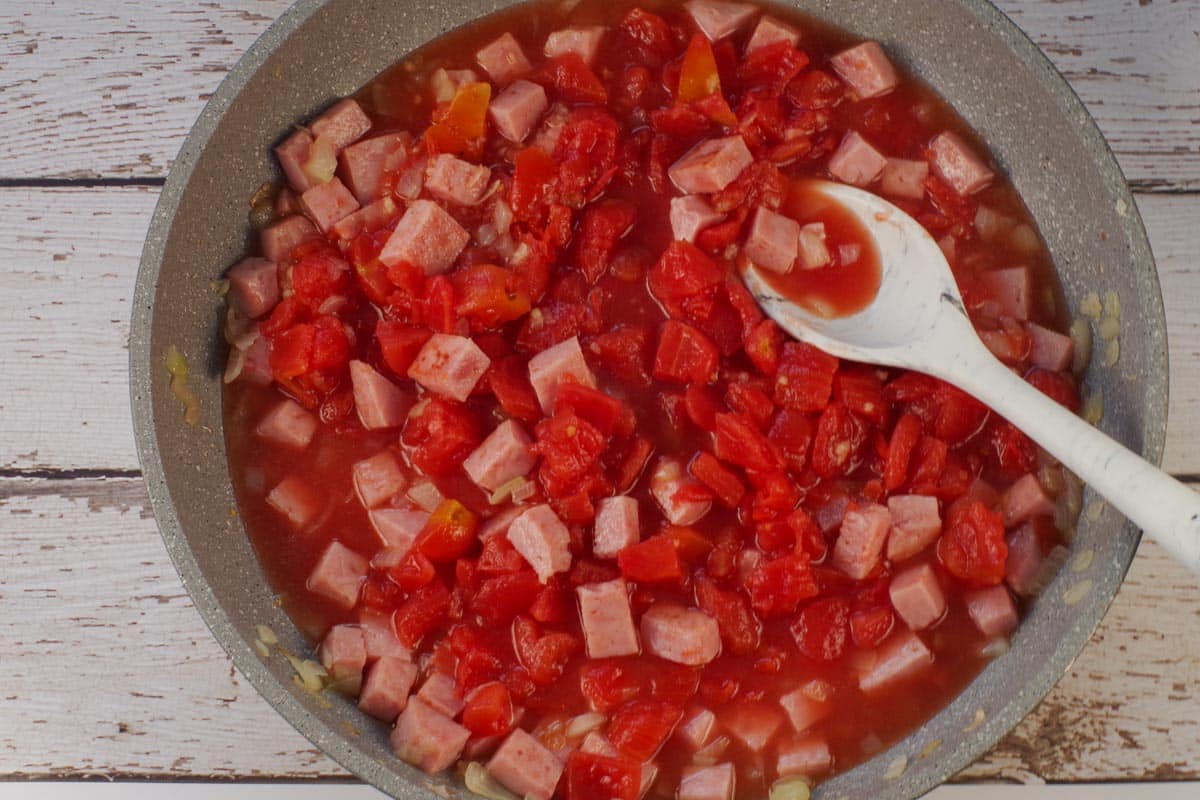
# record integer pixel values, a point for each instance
(107, 670)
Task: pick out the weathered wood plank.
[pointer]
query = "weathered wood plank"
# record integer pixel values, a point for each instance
(111, 89)
(72, 254)
(119, 676)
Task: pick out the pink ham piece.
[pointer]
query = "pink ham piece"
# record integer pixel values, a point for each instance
(379, 637)
(517, 109)
(901, 657)
(916, 524)
(343, 655)
(1049, 349)
(499, 524)
(450, 366)
(753, 724)
(292, 155)
(1024, 562)
(287, 425)
(690, 215)
(902, 178)
(426, 237)
(525, 767)
(254, 286)
(957, 164)
(343, 124)
(297, 500)
(811, 247)
(802, 710)
(808, 756)
(718, 19)
(771, 31)
(548, 134)
(428, 740)
(549, 368)
(711, 165)
(286, 203)
(668, 478)
(616, 526)
(385, 691)
(866, 69)
(397, 528)
(279, 240)
(917, 596)
(453, 180)
(378, 479)
(1012, 289)
(696, 728)
(369, 218)
(855, 161)
(680, 634)
(992, 610)
(584, 42)
(773, 241)
(1024, 500)
(607, 619)
(256, 367)
(379, 402)
(503, 456)
(503, 59)
(442, 694)
(542, 540)
(328, 204)
(860, 542)
(364, 163)
(707, 783)
(338, 574)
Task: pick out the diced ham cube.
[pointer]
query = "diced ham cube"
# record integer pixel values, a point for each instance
(1012, 290)
(802, 710)
(690, 215)
(1024, 562)
(254, 286)
(397, 528)
(499, 524)
(902, 178)
(442, 694)
(343, 655)
(855, 161)
(379, 636)
(256, 364)
(378, 479)
(426, 495)
(813, 251)
(548, 134)
(584, 42)
(916, 524)
(668, 479)
(860, 542)
(525, 767)
(901, 657)
(1049, 349)
(773, 242)
(297, 500)
(503, 59)
(549, 368)
(771, 31)
(379, 402)
(450, 366)
(427, 739)
(680, 634)
(711, 165)
(717, 18)
(288, 424)
(542, 540)
(502, 456)
(707, 783)
(328, 204)
(385, 691)
(286, 203)
(616, 526)
(917, 596)
(866, 69)
(338, 574)
(808, 756)
(754, 724)
(426, 237)
(453, 180)
(957, 164)
(696, 728)
(517, 109)
(607, 619)
(992, 610)
(279, 240)
(1024, 500)
(343, 124)
(363, 164)
(292, 154)
(368, 218)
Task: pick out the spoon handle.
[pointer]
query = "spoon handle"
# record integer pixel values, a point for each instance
(1157, 503)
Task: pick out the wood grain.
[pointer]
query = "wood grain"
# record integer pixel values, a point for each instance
(119, 677)
(117, 85)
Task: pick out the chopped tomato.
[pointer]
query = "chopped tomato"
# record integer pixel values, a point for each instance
(399, 344)
(639, 727)
(726, 485)
(425, 610)
(740, 629)
(839, 438)
(972, 547)
(684, 354)
(823, 628)
(503, 597)
(805, 378)
(448, 533)
(572, 80)
(489, 295)
(570, 448)
(440, 433)
(545, 655)
(654, 560)
(488, 710)
(904, 438)
(778, 587)
(591, 776)
(608, 414)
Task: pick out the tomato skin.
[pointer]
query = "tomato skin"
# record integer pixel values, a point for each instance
(685, 281)
(591, 776)
(648, 36)
(608, 414)
(488, 710)
(400, 343)
(502, 597)
(600, 228)
(424, 611)
(415, 571)
(569, 76)
(740, 629)
(726, 485)
(570, 448)
(805, 378)
(905, 436)
(839, 438)
(868, 628)
(545, 655)
(684, 354)
(654, 560)
(972, 547)
(778, 587)
(739, 442)
(822, 629)
(639, 728)
(440, 434)
(292, 351)
(489, 296)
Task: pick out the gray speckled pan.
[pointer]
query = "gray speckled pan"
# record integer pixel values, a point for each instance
(972, 54)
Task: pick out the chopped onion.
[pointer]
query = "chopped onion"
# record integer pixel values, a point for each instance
(1095, 509)
(309, 674)
(1024, 239)
(794, 788)
(1051, 478)
(177, 366)
(426, 496)
(1089, 306)
(261, 648)
(502, 216)
(1112, 304)
(980, 716)
(896, 769)
(266, 635)
(1093, 407)
(1109, 328)
(991, 224)
(480, 781)
(1068, 506)
(818, 690)
(506, 490)
(1077, 592)
(235, 365)
(1081, 338)
(443, 87)
(321, 162)
(1112, 353)
(994, 648)
(584, 724)
(712, 752)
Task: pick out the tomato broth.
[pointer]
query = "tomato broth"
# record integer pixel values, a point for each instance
(509, 435)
